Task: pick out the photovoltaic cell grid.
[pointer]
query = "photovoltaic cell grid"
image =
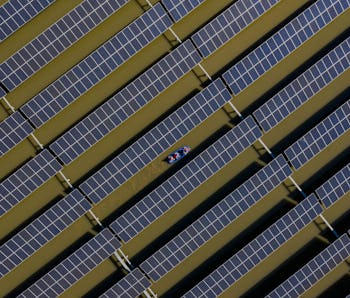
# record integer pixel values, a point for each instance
(229, 23)
(73, 268)
(216, 219)
(282, 43)
(56, 39)
(42, 230)
(97, 65)
(335, 187)
(180, 8)
(297, 284)
(13, 130)
(126, 102)
(319, 137)
(14, 14)
(131, 286)
(187, 179)
(156, 141)
(257, 250)
(299, 91)
(27, 179)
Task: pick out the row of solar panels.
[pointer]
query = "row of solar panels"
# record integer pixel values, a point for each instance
(73, 206)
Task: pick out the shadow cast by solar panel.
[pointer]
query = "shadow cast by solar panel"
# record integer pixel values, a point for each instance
(340, 288)
(35, 215)
(327, 171)
(50, 265)
(107, 283)
(228, 250)
(286, 269)
(137, 136)
(197, 212)
(312, 121)
(283, 82)
(167, 174)
(341, 225)
(262, 39)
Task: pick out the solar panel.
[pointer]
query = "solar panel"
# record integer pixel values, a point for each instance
(282, 43)
(187, 179)
(299, 91)
(326, 261)
(229, 23)
(180, 8)
(74, 267)
(2, 92)
(319, 137)
(14, 14)
(131, 286)
(97, 66)
(13, 130)
(42, 230)
(216, 219)
(335, 187)
(257, 250)
(55, 39)
(155, 142)
(126, 102)
(27, 179)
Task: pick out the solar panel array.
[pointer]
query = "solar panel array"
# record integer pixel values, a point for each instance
(257, 250)
(229, 23)
(216, 219)
(55, 39)
(326, 261)
(155, 141)
(131, 286)
(335, 187)
(319, 137)
(282, 43)
(187, 179)
(126, 102)
(14, 14)
(97, 66)
(42, 230)
(13, 130)
(27, 179)
(74, 267)
(180, 8)
(299, 91)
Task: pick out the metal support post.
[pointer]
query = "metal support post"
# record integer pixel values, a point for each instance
(65, 179)
(152, 293)
(235, 109)
(205, 72)
(121, 261)
(329, 226)
(297, 186)
(175, 35)
(95, 218)
(124, 256)
(266, 148)
(8, 104)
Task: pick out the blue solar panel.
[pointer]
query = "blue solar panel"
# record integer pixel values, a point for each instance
(229, 23)
(319, 137)
(27, 179)
(95, 67)
(13, 130)
(14, 14)
(257, 250)
(216, 219)
(55, 39)
(299, 91)
(2, 92)
(74, 267)
(186, 180)
(305, 278)
(155, 142)
(126, 102)
(180, 8)
(131, 286)
(42, 230)
(282, 43)
(335, 187)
